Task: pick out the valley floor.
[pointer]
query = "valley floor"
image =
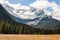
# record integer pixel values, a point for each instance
(29, 37)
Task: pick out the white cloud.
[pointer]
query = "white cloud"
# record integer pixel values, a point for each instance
(55, 7)
(44, 4)
(17, 6)
(40, 4)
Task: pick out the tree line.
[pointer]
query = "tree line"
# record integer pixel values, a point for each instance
(17, 28)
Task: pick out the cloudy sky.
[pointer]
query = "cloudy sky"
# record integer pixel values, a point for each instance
(35, 3)
(49, 5)
(27, 2)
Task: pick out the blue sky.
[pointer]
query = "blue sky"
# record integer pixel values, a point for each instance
(27, 2)
(23, 2)
(57, 1)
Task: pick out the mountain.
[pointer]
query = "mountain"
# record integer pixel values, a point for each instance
(48, 23)
(20, 15)
(8, 25)
(33, 21)
(32, 17)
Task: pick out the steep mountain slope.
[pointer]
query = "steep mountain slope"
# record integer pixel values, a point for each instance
(4, 14)
(9, 26)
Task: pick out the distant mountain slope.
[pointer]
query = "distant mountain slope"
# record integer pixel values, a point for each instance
(48, 23)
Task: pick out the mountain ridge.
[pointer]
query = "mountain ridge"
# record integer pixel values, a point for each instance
(41, 17)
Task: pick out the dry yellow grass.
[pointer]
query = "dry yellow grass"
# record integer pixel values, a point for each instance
(29, 37)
